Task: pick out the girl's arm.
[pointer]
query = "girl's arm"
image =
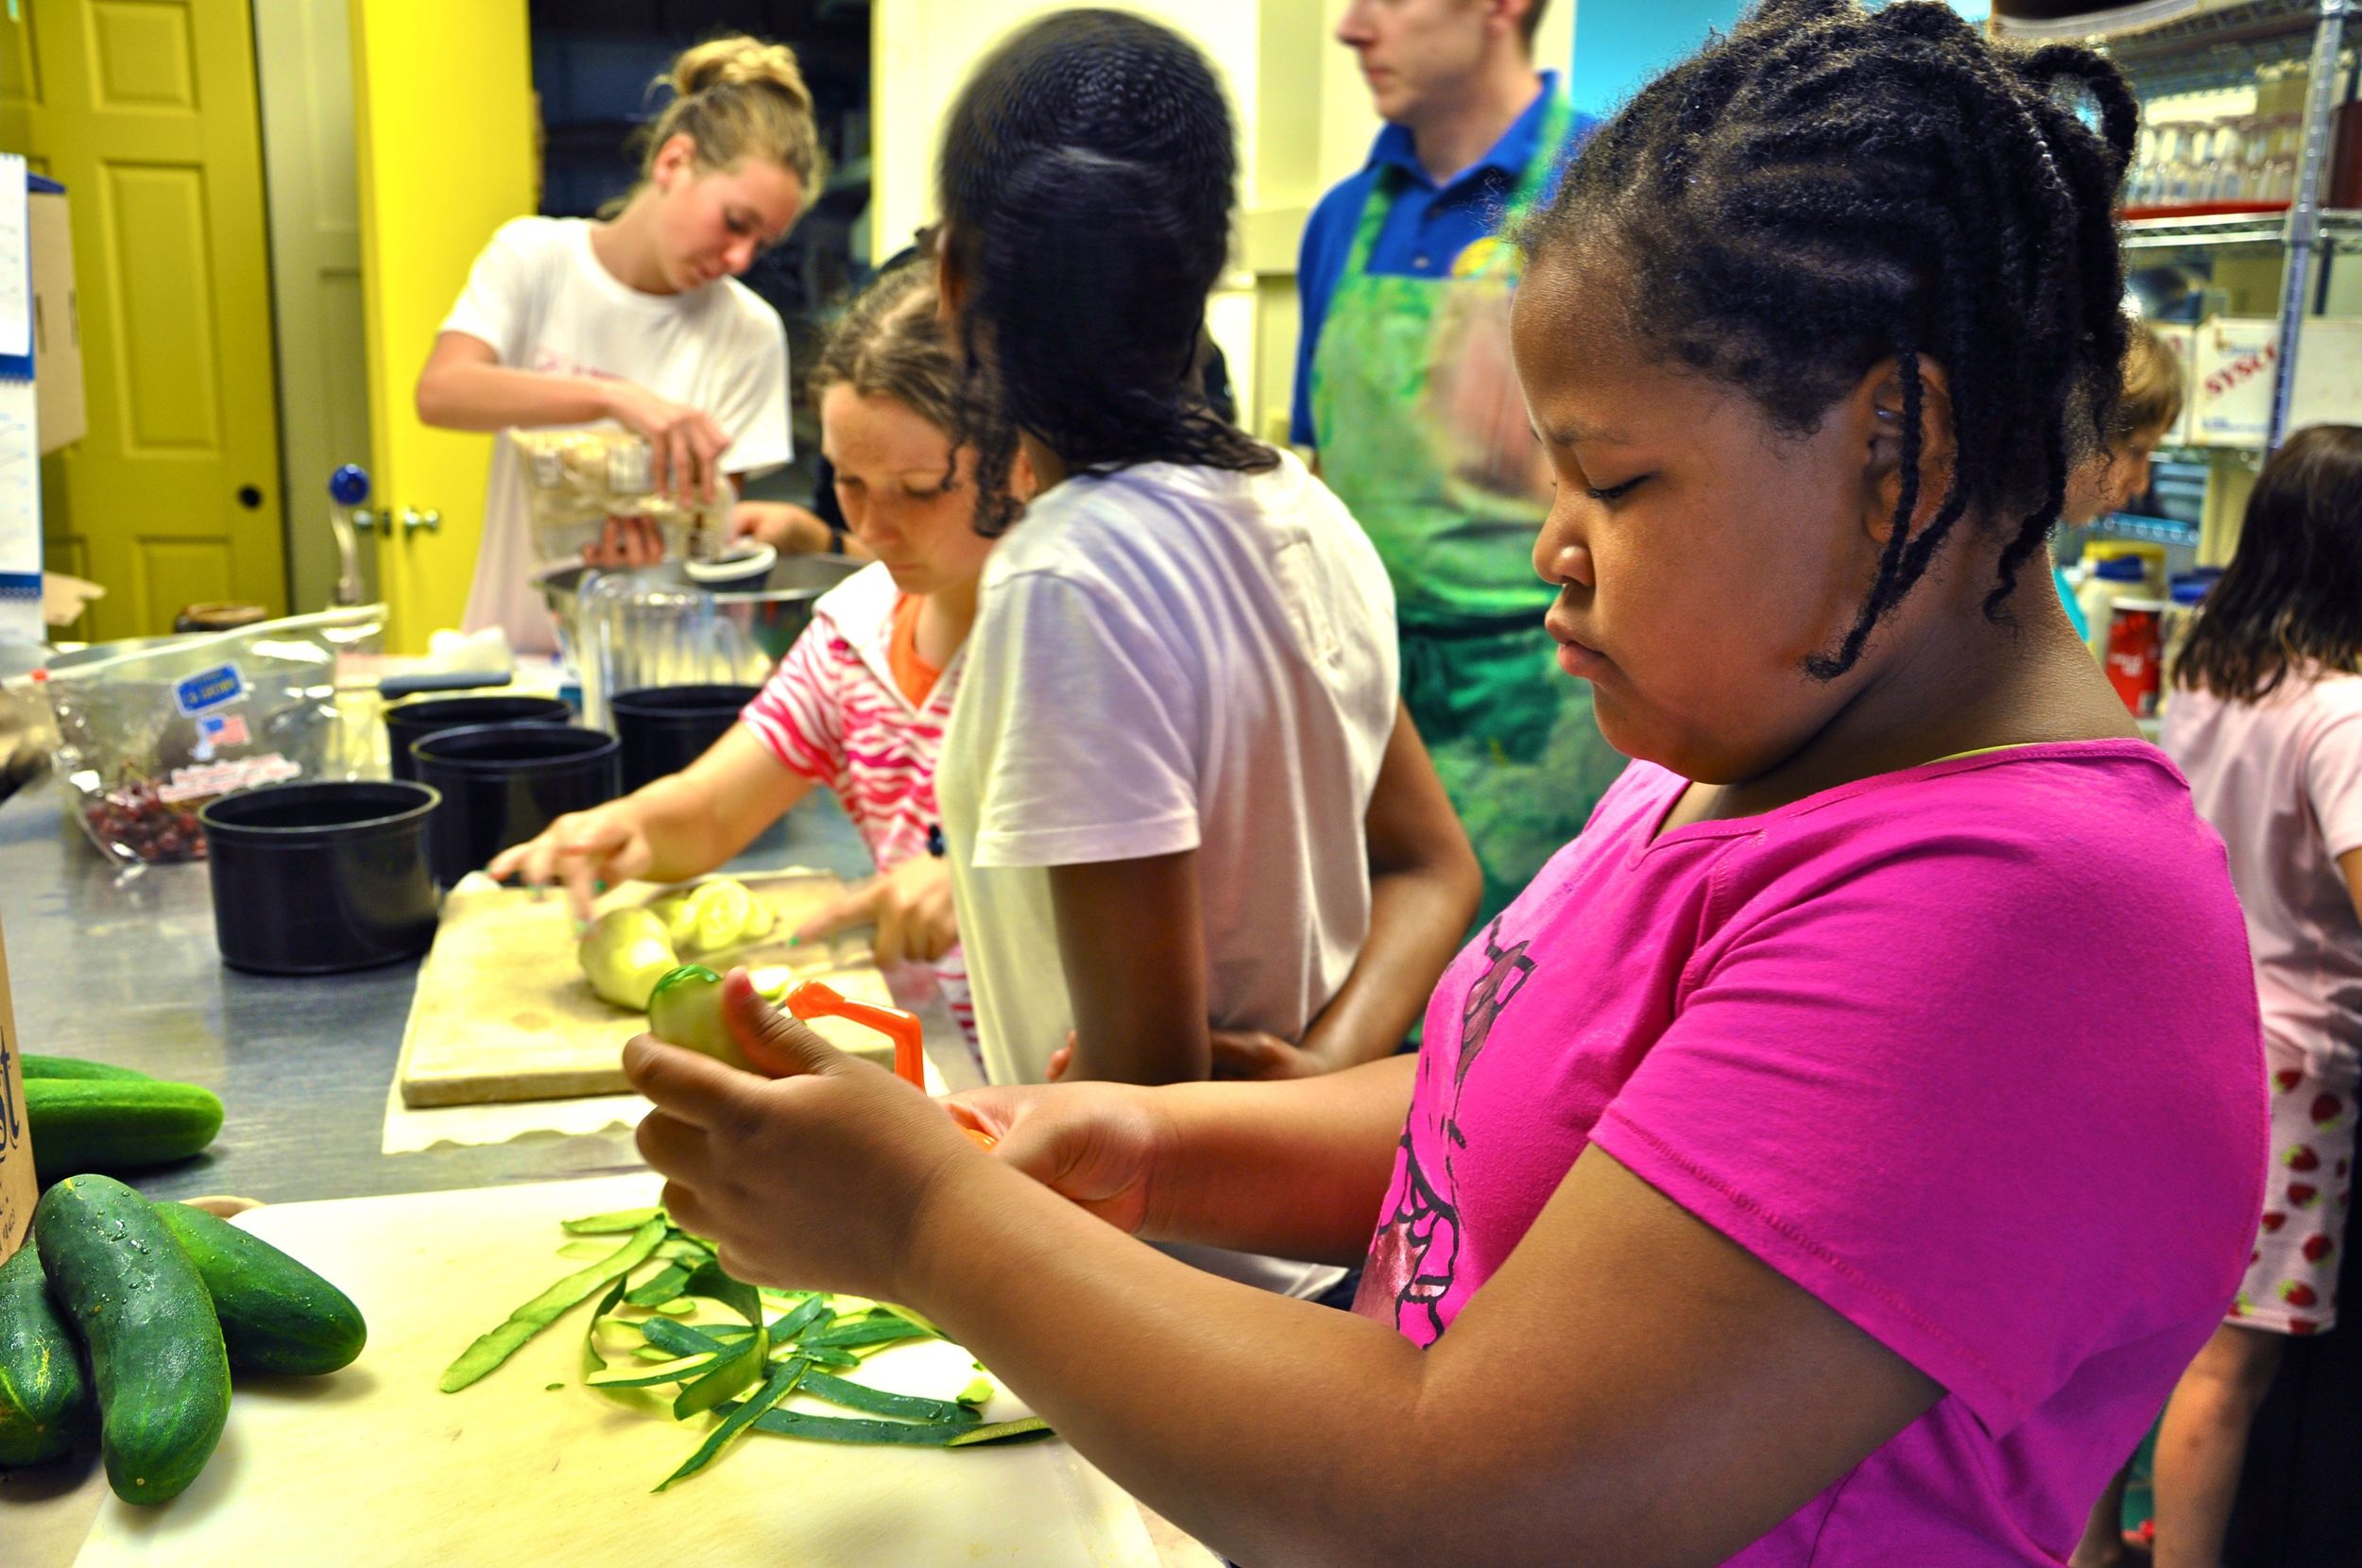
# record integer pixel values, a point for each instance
(1424, 885)
(1131, 941)
(1630, 1387)
(1130, 934)
(682, 825)
(1200, 1162)
(465, 386)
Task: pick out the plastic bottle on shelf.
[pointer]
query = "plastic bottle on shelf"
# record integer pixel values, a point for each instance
(2112, 578)
(2188, 593)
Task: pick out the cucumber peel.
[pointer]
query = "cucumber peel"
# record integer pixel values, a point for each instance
(740, 1417)
(492, 1349)
(656, 1277)
(620, 1222)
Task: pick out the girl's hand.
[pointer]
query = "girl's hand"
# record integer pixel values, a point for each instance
(816, 1179)
(581, 849)
(626, 542)
(1253, 1053)
(910, 905)
(1097, 1145)
(684, 443)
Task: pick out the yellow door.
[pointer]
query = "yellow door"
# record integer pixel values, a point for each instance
(443, 91)
(146, 109)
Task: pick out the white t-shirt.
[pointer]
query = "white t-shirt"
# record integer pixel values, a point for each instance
(1171, 658)
(543, 301)
(2280, 780)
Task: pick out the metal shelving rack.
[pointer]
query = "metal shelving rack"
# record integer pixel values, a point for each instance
(2169, 47)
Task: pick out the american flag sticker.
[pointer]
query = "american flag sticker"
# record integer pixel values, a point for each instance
(223, 729)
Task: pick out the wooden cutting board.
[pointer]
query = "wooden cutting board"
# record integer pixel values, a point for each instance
(503, 1012)
(374, 1465)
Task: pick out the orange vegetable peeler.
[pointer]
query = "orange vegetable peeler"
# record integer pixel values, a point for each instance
(815, 1000)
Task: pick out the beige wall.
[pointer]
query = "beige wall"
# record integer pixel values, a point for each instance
(304, 54)
(1304, 123)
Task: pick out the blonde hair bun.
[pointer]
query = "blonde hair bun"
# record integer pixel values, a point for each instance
(740, 61)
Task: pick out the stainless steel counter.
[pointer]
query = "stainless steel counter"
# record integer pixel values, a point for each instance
(123, 968)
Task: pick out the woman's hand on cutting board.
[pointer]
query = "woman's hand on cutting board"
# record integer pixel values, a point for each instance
(812, 1179)
(909, 907)
(580, 849)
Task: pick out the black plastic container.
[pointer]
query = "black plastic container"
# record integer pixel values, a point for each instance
(501, 784)
(319, 879)
(407, 724)
(664, 728)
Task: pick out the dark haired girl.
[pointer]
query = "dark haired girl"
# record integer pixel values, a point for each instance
(1772, 1187)
(1178, 766)
(2267, 720)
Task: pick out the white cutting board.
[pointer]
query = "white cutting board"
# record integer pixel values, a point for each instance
(503, 1012)
(374, 1465)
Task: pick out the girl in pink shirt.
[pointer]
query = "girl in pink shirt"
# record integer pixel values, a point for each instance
(859, 704)
(1773, 1186)
(2267, 720)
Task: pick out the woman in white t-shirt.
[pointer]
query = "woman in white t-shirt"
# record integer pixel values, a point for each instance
(1178, 784)
(639, 319)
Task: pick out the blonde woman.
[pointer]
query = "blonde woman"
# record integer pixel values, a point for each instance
(639, 318)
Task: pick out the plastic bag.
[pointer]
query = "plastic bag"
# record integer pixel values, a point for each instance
(575, 480)
(148, 736)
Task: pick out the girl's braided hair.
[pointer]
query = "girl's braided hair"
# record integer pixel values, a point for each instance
(1088, 173)
(1827, 187)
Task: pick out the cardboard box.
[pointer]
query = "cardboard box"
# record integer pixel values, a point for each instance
(2233, 367)
(17, 1187)
(57, 326)
(2184, 342)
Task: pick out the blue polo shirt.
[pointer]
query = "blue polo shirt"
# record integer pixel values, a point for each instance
(1427, 227)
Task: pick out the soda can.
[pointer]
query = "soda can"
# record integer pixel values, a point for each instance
(2135, 661)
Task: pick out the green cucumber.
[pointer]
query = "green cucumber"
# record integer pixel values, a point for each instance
(45, 1404)
(155, 1345)
(115, 1124)
(74, 1066)
(277, 1316)
(685, 1009)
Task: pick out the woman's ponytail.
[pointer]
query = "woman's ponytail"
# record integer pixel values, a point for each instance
(740, 97)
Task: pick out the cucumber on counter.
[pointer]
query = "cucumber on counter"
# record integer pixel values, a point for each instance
(276, 1314)
(115, 1123)
(45, 1403)
(74, 1066)
(155, 1343)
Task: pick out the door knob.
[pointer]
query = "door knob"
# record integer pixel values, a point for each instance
(249, 496)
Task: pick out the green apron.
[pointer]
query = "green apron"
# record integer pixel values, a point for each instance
(1511, 734)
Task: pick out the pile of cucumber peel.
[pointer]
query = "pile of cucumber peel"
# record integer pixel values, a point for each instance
(741, 1371)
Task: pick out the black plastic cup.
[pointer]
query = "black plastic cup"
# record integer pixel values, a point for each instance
(319, 879)
(407, 724)
(501, 784)
(664, 728)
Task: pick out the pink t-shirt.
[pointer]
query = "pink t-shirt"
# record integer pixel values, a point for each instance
(2282, 781)
(834, 712)
(1969, 1052)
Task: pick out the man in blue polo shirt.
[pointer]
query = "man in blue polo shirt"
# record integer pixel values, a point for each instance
(1405, 390)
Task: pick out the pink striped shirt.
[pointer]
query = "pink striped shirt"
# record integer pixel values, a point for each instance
(832, 713)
